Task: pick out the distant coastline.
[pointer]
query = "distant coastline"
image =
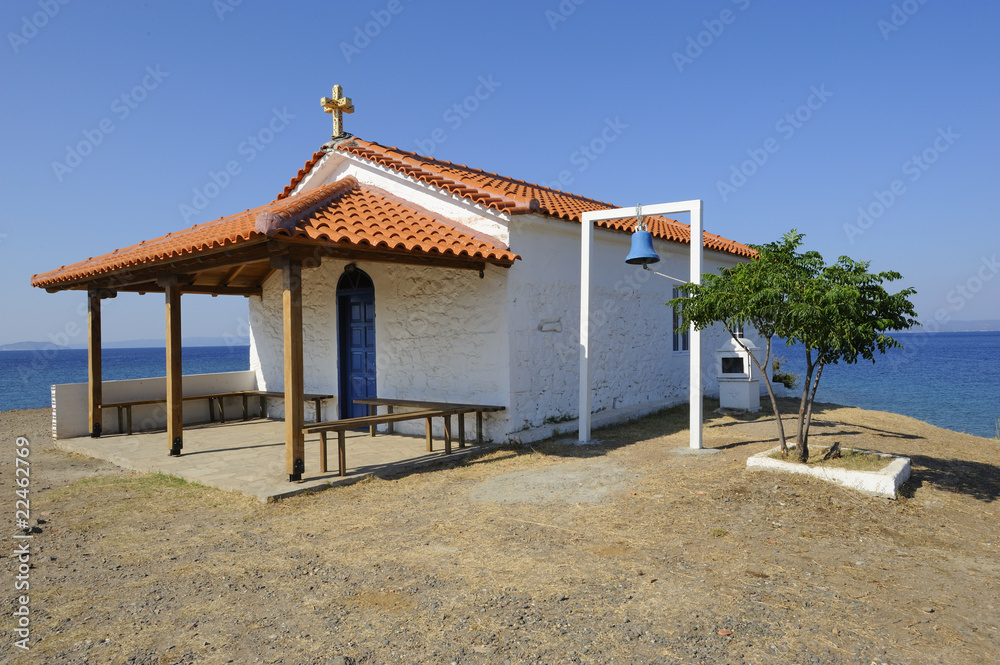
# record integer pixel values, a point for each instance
(986, 325)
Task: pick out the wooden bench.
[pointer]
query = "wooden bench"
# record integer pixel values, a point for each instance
(315, 398)
(388, 402)
(125, 408)
(371, 421)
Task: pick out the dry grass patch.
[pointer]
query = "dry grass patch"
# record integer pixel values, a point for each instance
(850, 459)
(410, 568)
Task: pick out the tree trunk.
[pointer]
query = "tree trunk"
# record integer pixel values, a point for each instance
(801, 446)
(770, 390)
(812, 400)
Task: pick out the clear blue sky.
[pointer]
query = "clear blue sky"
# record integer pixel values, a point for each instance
(890, 107)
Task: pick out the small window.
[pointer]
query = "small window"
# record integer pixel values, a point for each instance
(732, 365)
(680, 339)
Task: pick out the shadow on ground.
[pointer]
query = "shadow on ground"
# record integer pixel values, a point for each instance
(979, 480)
(976, 479)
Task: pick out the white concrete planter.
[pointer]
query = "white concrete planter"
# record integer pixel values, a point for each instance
(884, 483)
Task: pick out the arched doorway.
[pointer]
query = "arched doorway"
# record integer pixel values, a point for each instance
(356, 340)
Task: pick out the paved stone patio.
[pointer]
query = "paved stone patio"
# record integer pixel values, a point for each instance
(249, 456)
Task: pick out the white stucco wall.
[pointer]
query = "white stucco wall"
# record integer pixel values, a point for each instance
(440, 335)
(633, 361)
(511, 338)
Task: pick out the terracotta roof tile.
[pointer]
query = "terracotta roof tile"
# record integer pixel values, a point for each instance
(341, 212)
(517, 196)
(364, 216)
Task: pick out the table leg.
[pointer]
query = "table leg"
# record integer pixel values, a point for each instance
(461, 430)
(430, 443)
(392, 426)
(447, 435)
(121, 421)
(322, 452)
(479, 427)
(372, 410)
(319, 409)
(246, 410)
(211, 409)
(128, 417)
(222, 409)
(342, 452)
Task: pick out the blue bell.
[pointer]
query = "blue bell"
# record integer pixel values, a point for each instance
(642, 249)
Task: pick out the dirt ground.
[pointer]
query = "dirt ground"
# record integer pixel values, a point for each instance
(623, 552)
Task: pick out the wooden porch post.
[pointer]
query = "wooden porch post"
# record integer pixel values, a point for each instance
(94, 381)
(291, 298)
(175, 394)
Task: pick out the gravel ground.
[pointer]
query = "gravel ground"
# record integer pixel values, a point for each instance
(619, 553)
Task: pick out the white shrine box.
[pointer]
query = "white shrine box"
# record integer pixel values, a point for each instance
(739, 378)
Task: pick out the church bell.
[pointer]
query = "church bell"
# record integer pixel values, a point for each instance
(642, 252)
(642, 249)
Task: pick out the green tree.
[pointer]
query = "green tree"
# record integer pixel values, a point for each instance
(838, 312)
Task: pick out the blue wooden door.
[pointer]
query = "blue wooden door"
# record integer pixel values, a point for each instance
(356, 321)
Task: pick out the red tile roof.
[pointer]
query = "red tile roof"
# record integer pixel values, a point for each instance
(366, 216)
(341, 212)
(344, 212)
(513, 196)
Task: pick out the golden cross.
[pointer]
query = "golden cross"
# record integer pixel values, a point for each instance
(338, 106)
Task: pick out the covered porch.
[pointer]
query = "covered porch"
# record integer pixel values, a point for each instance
(249, 457)
(261, 254)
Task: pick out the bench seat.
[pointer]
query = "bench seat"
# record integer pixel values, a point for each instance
(371, 421)
(125, 407)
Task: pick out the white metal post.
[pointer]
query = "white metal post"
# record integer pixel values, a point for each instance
(694, 336)
(694, 339)
(586, 244)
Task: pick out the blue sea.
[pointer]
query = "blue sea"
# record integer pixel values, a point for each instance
(26, 376)
(951, 380)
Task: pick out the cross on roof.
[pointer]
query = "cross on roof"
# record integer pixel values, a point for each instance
(338, 106)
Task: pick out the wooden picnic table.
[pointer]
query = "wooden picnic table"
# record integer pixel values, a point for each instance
(427, 411)
(390, 403)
